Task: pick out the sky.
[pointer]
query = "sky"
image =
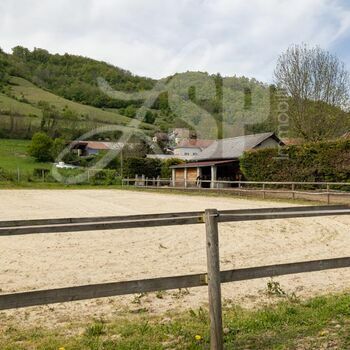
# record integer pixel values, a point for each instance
(157, 38)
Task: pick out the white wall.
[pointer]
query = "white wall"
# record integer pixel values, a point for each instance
(187, 151)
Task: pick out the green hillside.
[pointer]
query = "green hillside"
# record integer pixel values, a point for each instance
(22, 104)
(71, 82)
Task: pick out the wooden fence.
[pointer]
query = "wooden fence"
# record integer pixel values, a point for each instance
(291, 190)
(212, 278)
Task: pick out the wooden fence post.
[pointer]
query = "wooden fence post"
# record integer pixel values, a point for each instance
(214, 280)
(328, 194)
(293, 191)
(264, 193)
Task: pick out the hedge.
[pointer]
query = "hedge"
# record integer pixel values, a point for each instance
(319, 161)
(142, 166)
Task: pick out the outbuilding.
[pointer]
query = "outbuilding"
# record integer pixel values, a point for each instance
(220, 161)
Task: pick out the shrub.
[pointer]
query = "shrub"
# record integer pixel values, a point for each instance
(41, 147)
(6, 175)
(319, 161)
(166, 164)
(105, 177)
(142, 166)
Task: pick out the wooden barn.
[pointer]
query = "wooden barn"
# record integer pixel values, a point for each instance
(220, 161)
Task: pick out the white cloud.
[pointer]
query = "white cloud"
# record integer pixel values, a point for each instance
(227, 36)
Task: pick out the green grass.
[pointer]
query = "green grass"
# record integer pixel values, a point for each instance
(14, 106)
(14, 154)
(34, 94)
(319, 323)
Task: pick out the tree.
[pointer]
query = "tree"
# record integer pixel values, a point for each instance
(57, 147)
(41, 147)
(316, 85)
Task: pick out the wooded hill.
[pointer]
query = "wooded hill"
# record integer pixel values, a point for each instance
(59, 94)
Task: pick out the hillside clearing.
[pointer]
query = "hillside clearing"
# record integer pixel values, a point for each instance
(26, 91)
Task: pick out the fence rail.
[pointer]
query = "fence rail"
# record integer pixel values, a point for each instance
(325, 190)
(212, 278)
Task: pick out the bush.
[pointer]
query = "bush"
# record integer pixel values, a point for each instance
(142, 166)
(105, 177)
(319, 161)
(41, 147)
(6, 175)
(166, 164)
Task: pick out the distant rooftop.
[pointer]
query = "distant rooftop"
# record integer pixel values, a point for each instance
(235, 146)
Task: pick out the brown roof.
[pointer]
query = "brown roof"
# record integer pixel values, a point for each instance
(98, 145)
(201, 164)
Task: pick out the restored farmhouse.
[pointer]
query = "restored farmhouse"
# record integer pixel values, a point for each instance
(220, 161)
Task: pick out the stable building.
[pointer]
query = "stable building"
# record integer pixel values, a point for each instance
(220, 161)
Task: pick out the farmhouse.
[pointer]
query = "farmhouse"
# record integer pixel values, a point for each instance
(191, 148)
(88, 148)
(220, 161)
(185, 150)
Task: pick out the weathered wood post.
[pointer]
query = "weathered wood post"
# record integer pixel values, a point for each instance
(328, 194)
(214, 280)
(293, 191)
(264, 193)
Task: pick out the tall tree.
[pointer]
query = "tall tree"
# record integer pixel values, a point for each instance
(316, 84)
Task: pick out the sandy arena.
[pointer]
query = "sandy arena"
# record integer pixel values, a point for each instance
(66, 259)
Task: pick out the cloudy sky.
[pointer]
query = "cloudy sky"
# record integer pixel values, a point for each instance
(159, 37)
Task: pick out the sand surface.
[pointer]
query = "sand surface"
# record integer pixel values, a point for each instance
(66, 259)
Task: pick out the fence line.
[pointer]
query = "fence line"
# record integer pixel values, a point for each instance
(92, 291)
(213, 278)
(240, 186)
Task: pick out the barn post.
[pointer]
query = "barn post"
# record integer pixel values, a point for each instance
(214, 280)
(173, 177)
(199, 177)
(213, 176)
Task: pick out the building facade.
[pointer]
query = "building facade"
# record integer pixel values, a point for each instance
(220, 161)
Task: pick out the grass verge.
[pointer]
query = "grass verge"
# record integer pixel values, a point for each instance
(318, 323)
